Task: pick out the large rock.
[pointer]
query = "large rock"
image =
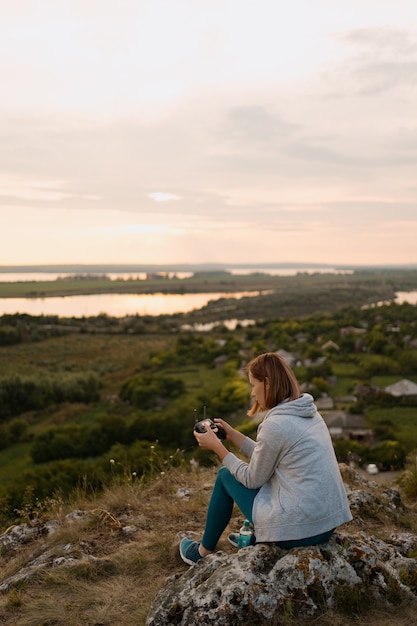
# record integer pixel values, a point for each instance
(264, 584)
(267, 585)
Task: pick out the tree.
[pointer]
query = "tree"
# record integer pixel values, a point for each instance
(147, 392)
(232, 396)
(389, 455)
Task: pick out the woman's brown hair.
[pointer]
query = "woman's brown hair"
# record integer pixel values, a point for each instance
(283, 384)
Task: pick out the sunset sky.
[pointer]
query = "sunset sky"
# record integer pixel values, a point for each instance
(231, 131)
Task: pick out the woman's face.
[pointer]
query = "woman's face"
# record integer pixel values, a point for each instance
(258, 390)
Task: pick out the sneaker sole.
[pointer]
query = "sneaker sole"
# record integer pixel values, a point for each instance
(184, 558)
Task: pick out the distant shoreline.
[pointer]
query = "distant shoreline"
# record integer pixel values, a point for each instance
(95, 280)
(190, 267)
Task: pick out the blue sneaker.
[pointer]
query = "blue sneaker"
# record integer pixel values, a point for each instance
(189, 551)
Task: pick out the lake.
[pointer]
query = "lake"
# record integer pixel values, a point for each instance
(114, 305)
(122, 305)
(406, 296)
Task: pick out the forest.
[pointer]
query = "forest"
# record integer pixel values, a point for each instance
(85, 399)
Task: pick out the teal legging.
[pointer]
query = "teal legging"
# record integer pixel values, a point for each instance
(226, 491)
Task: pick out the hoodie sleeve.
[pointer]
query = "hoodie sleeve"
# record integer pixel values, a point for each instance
(265, 455)
(248, 447)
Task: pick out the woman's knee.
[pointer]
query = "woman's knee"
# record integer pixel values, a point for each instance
(223, 474)
(227, 481)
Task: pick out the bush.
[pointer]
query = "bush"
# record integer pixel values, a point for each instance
(408, 480)
(373, 364)
(232, 396)
(59, 477)
(169, 429)
(9, 335)
(70, 441)
(389, 455)
(147, 392)
(19, 394)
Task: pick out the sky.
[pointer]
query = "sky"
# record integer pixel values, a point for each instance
(212, 131)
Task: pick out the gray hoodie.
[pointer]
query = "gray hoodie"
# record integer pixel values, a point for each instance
(301, 492)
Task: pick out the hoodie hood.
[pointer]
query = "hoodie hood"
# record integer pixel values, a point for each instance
(302, 407)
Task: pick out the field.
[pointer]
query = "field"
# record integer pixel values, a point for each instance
(146, 422)
(126, 359)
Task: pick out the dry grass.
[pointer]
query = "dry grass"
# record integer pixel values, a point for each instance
(120, 584)
(118, 574)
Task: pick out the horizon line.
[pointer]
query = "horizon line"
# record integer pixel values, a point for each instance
(175, 266)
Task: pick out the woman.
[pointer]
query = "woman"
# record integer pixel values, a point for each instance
(291, 488)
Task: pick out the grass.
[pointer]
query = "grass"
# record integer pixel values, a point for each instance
(120, 583)
(78, 353)
(116, 588)
(13, 461)
(194, 284)
(402, 419)
(384, 381)
(113, 356)
(196, 377)
(120, 587)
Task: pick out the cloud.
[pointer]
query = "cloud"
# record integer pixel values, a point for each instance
(210, 133)
(142, 229)
(160, 196)
(387, 61)
(384, 41)
(255, 126)
(14, 189)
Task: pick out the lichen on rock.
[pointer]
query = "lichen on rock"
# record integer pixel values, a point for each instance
(264, 584)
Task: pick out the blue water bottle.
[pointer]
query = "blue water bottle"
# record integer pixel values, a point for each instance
(245, 535)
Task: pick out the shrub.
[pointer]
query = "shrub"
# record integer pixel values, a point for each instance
(9, 335)
(232, 396)
(389, 455)
(19, 394)
(408, 479)
(69, 441)
(147, 392)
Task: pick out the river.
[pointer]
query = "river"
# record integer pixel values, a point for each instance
(122, 305)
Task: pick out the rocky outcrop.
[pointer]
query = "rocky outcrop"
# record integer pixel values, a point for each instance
(264, 584)
(259, 585)
(44, 556)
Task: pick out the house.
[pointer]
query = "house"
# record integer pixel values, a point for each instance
(324, 403)
(330, 345)
(301, 337)
(287, 356)
(349, 399)
(403, 388)
(306, 387)
(408, 339)
(220, 360)
(347, 330)
(344, 425)
(315, 362)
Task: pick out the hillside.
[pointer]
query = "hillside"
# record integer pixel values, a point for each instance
(78, 392)
(104, 563)
(96, 416)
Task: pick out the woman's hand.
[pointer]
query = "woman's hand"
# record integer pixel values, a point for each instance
(209, 441)
(232, 434)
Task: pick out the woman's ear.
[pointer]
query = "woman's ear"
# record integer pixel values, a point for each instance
(266, 382)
